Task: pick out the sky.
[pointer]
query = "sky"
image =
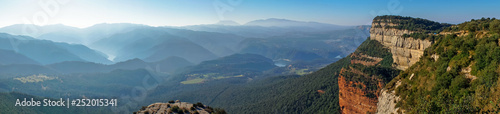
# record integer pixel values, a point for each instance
(85, 13)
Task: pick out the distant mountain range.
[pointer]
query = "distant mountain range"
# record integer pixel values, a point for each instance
(275, 22)
(266, 27)
(110, 60)
(63, 33)
(167, 65)
(11, 57)
(106, 47)
(45, 51)
(227, 22)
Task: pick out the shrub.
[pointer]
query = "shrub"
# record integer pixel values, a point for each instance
(175, 109)
(200, 105)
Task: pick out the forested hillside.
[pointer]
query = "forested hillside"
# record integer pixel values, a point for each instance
(313, 93)
(458, 74)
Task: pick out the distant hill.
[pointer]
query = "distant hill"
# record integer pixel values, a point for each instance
(67, 34)
(39, 50)
(221, 44)
(104, 30)
(275, 22)
(305, 46)
(171, 64)
(237, 61)
(167, 65)
(78, 67)
(245, 31)
(43, 51)
(181, 48)
(227, 23)
(126, 45)
(10, 57)
(237, 65)
(268, 27)
(35, 30)
(24, 69)
(86, 53)
(154, 44)
(72, 36)
(124, 41)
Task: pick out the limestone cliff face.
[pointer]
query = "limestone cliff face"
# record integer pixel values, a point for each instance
(405, 51)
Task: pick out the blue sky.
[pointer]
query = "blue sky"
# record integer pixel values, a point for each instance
(84, 13)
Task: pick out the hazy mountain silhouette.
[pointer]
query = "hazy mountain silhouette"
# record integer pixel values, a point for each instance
(47, 52)
(154, 44)
(168, 65)
(182, 48)
(100, 31)
(227, 23)
(67, 34)
(10, 57)
(267, 27)
(25, 69)
(124, 41)
(35, 30)
(221, 44)
(275, 22)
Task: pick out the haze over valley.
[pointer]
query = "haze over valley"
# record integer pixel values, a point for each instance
(116, 57)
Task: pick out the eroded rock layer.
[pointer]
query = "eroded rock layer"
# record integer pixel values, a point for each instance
(405, 51)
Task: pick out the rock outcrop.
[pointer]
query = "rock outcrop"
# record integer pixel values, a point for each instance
(405, 51)
(177, 107)
(387, 101)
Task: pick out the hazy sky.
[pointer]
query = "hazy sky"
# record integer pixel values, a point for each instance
(84, 13)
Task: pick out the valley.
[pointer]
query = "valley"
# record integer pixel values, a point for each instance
(170, 63)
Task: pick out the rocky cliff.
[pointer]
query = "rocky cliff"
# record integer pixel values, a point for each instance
(405, 51)
(353, 98)
(395, 33)
(395, 44)
(361, 81)
(178, 107)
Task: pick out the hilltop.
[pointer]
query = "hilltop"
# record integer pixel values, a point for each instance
(173, 107)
